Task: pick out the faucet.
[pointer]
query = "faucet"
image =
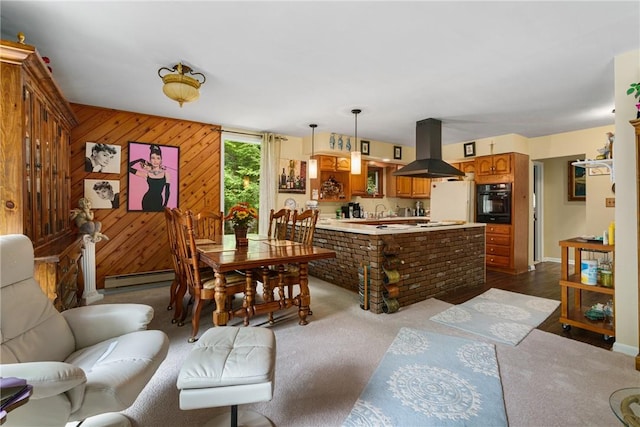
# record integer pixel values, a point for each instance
(381, 213)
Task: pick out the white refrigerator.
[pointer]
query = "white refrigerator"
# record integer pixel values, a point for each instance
(452, 201)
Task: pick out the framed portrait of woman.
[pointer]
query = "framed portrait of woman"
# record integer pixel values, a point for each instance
(153, 173)
(103, 193)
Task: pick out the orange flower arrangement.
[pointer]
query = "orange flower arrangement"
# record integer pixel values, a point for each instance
(241, 215)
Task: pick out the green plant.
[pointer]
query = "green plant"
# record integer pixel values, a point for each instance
(634, 87)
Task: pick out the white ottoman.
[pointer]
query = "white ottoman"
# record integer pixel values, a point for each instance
(230, 366)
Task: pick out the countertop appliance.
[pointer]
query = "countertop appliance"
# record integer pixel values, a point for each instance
(494, 203)
(452, 201)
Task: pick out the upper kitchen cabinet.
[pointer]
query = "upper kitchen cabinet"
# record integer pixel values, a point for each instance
(359, 182)
(407, 187)
(334, 179)
(466, 167)
(494, 168)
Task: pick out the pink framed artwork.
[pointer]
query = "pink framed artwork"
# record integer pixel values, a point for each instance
(153, 174)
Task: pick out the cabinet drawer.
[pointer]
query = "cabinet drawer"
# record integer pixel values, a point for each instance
(498, 229)
(498, 261)
(498, 250)
(498, 239)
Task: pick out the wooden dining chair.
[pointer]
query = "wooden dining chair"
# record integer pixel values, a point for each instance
(179, 279)
(279, 223)
(209, 225)
(202, 289)
(303, 229)
(278, 227)
(285, 277)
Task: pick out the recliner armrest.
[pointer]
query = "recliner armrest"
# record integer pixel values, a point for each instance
(47, 378)
(96, 323)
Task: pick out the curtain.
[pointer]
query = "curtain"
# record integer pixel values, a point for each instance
(270, 151)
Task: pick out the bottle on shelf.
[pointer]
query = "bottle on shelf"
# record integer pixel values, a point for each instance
(612, 232)
(283, 179)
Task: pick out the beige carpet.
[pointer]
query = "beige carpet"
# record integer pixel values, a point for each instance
(322, 368)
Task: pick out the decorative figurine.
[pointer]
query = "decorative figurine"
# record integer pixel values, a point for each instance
(332, 141)
(84, 219)
(348, 143)
(340, 143)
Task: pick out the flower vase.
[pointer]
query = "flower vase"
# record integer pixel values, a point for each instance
(241, 236)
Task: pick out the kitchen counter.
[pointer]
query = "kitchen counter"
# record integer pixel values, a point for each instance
(390, 225)
(434, 260)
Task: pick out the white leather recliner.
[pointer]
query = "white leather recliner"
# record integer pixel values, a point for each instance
(81, 362)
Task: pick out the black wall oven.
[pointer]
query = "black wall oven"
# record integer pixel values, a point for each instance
(494, 203)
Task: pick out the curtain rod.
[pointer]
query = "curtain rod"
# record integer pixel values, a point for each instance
(251, 134)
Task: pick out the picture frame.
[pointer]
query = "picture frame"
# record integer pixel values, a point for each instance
(364, 147)
(577, 183)
(153, 177)
(470, 149)
(103, 193)
(599, 171)
(397, 152)
(102, 158)
(292, 177)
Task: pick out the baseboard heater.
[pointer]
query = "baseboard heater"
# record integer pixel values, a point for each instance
(138, 278)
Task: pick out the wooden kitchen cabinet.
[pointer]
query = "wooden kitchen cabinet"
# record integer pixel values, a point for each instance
(332, 168)
(36, 125)
(494, 168)
(466, 167)
(498, 246)
(420, 188)
(359, 182)
(408, 187)
(571, 309)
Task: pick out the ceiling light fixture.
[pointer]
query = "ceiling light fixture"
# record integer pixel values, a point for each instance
(179, 86)
(313, 163)
(356, 156)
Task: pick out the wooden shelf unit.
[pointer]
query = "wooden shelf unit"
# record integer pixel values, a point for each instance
(36, 126)
(571, 309)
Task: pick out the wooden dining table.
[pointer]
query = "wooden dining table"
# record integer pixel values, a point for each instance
(261, 252)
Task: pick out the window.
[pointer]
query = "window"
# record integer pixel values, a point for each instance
(374, 181)
(241, 173)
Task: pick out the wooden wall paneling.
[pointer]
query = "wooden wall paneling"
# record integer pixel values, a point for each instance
(137, 240)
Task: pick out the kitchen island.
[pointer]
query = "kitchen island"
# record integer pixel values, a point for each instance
(432, 259)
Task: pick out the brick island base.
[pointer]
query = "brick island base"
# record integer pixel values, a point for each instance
(436, 262)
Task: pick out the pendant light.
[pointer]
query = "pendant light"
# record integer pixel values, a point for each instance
(355, 154)
(313, 163)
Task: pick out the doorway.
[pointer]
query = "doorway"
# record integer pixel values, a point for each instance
(536, 200)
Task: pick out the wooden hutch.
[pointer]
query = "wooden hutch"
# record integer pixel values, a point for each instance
(34, 168)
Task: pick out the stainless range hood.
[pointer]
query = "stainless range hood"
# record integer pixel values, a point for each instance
(429, 163)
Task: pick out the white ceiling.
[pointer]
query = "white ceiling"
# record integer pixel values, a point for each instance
(483, 68)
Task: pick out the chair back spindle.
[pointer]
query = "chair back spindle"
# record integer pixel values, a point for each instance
(278, 223)
(304, 226)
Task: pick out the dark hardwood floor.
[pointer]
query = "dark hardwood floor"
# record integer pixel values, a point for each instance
(542, 282)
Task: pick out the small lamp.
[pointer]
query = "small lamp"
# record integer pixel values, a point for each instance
(356, 156)
(313, 163)
(179, 86)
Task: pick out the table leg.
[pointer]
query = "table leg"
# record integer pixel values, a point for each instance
(220, 315)
(267, 291)
(305, 298)
(248, 298)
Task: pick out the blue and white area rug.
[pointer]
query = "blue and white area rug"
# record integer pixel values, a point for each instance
(428, 379)
(503, 316)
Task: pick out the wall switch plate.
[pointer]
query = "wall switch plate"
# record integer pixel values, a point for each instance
(610, 202)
